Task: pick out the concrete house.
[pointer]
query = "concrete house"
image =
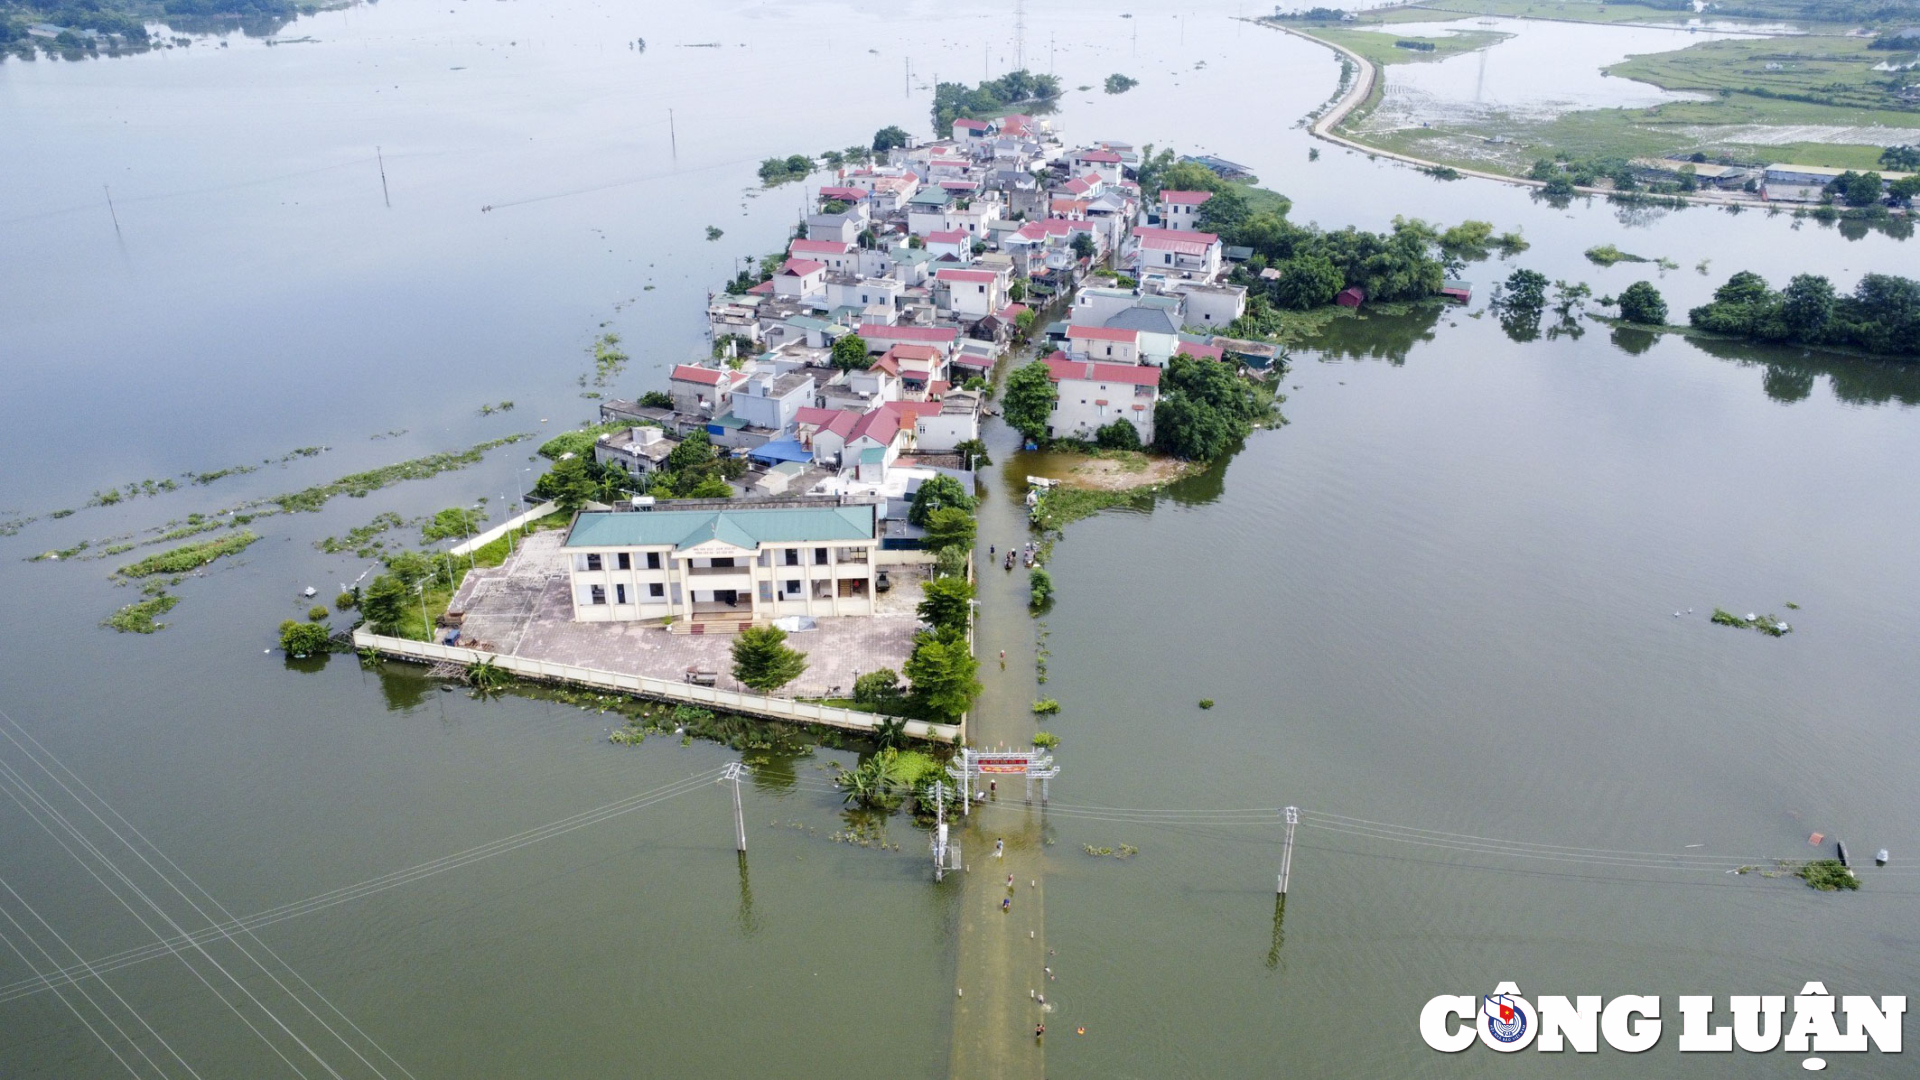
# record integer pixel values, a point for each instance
(836, 256)
(801, 279)
(1107, 345)
(699, 391)
(1180, 210)
(1208, 303)
(1093, 395)
(824, 432)
(950, 243)
(881, 337)
(1175, 253)
(845, 291)
(956, 420)
(768, 400)
(640, 451)
(918, 367)
(723, 564)
(972, 294)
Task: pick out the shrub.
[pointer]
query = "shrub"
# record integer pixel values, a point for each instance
(763, 661)
(1642, 303)
(1119, 435)
(302, 639)
(1827, 875)
(1045, 740)
(346, 601)
(877, 689)
(1206, 703)
(1039, 587)
(317, 613)
(1046, 706)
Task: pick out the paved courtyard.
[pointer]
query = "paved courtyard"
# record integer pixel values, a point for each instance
(521, 608)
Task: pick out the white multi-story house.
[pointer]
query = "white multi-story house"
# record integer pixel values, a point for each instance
(880, 337)
(699, 391)
(768, 400)
(956, 421)
(838, 257)
(972, 294)
(639, 451)
(1180, 210)
(724, 563)
(1174, 253)
(1105, 344)
(1093, 395)
(801, 279)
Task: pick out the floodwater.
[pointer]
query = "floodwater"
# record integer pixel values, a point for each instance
(1441, 597)
(1543, 70)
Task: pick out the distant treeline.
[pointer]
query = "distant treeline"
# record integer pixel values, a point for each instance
(1881, 315)
(954, 101)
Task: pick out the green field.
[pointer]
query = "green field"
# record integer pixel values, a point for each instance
(1831, 71)
(1380, 48)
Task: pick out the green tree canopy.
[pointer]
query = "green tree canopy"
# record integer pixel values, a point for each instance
(384, 603)
(938, 492)
(303, 639)
(1204, 407)
(950, 527)
(1029, 400)
(889, 138)
(1119, 435)
(1307, 281)
(763, 661)
(850, 353)
(944, 603)
(1640, 302)
(570, 484)
(943, 674)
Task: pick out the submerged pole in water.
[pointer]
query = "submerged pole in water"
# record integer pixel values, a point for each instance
(384, 197)
(673, 136)
(939, 831)
(111, 212)
(1286, 849)
(732, 772)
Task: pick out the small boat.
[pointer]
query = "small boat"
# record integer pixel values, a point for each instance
(310, 592)
(1880, 857)
(1841, 847)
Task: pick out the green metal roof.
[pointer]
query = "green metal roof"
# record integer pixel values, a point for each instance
(742, 528)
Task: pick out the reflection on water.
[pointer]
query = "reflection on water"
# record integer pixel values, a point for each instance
(1633, 341)
(405, 687)
(1790, 372)
(1378, 336)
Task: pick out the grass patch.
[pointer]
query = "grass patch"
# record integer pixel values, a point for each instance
(1064, 505)
(449, 571)
(579, 443)
(360, 484)
(138, 618)
(189, 556)
(1607, 255)
(1385, 49)
(361, 540)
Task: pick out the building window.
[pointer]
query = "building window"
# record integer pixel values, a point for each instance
(727, 561)
(653, 560)
(656, 590)
(597, 594)
(619, 594)
(793, 556)
(625, 561)
(593, 562)
(819, 556)
(792, 587)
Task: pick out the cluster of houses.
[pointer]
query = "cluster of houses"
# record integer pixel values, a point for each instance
(1773, 183)
(922, 255)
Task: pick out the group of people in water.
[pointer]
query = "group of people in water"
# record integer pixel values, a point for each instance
(1029, 553)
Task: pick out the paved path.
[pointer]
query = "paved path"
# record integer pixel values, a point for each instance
(1001, 954)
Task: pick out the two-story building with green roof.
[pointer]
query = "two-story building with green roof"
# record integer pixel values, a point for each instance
(723, 562)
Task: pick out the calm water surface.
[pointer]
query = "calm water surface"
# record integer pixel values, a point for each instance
(1442, 596)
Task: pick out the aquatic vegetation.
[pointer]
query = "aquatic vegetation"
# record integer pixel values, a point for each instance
(189, 557)
(1120, 84)
(486, 678)
(62, 553)
(359, 485)
(1045, 740)
(300, 639)
(1046, 707)
(1206, 703)
(1827, 875)
(361, 539)
(138, 618)
(1768, 624)
(1607, 255)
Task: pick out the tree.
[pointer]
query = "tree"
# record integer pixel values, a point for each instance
(973, 453)
(950, 562)
(709, 487)
(943, 675)
(1083, 246)
(694, 452)
(1023, 322)
(763, 661)
(384, 603)
(1017, 291)
(1903, 190)
(938, 492)
(890, 137)
(1119, 435)
(850, 353)
(1308, 281)
(1204, 406)
(945, 602)
(1039, 588)
(656, 399)
(1900, 159)
(302, 639)
(410, 567)
(1189, 429)
(1526, 290)
(877, 690)
(1806, 306)
(1029, 400)
(949, 528)
(570, 484)
(1640, 302)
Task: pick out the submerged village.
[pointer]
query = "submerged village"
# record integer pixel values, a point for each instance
(785, 531)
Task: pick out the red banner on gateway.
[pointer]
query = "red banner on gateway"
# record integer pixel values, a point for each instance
(1001, 764)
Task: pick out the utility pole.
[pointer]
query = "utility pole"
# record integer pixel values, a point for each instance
(732, 772)
(111, 212)
(1020, 35)
(673, 136)
(909, 92)
(1286, 848)
(939, 831)
(381, 159)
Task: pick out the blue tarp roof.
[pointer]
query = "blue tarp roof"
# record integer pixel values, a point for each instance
(781, 450)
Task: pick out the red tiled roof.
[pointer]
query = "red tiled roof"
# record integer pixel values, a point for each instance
(1104, 157)
(1102, 333)
(887, 364)
(1185, 198)
(845, 194)
(1061, 368)
(689, 373)
(820, 247)
(906, 351)
(903, 409)
(802, 267)
(960, 185)
(1076, 187)
(966, 275)
(971, 125)
(880, 425)
(1068, 206)
(1200, 352)
(949, 236)
(1011, 311)
(883, 332)
(761, 289)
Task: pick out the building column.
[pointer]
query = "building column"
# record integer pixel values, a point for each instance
(681, 567)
